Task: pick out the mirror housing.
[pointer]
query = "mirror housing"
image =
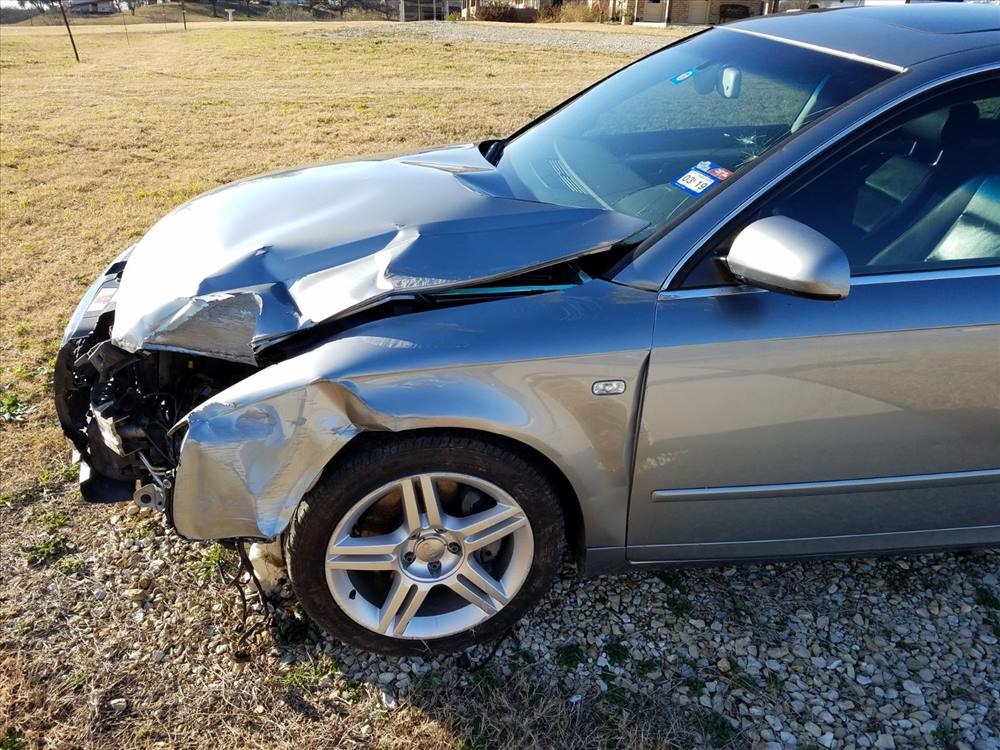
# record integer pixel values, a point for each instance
(784, 255)
(730, 82)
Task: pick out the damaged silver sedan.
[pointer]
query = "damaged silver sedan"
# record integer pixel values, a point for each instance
(736, 301)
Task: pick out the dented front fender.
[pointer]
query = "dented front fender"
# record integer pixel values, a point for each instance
(252, 451)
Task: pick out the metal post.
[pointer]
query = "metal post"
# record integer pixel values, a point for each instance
(125, 26)
(184, 17)
(62, 8)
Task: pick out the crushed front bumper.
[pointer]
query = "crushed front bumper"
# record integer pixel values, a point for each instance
(104, 476)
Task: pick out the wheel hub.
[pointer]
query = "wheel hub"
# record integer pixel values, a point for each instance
(430, 549)
(430, 555)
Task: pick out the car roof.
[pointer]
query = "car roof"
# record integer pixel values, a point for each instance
(897, 35)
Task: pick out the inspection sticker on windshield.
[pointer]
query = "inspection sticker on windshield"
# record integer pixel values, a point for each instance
(701, 177)
(714, 169)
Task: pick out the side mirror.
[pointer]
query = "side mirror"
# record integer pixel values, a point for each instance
(784, 255)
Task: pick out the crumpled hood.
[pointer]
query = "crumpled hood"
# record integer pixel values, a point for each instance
(249, 263)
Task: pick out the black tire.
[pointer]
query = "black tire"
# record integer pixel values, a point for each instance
(384, 461)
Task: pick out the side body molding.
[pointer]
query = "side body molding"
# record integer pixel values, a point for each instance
(252, 451)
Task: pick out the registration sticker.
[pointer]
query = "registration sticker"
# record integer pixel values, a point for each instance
(714, 169)
(695, 182)
(701, 177)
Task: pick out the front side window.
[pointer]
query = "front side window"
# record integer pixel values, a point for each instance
(673, 128)
(921, 193)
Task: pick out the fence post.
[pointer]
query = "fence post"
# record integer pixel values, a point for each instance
(125, 26)
(62, 8)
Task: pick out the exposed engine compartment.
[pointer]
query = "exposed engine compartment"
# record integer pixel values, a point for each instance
(123, 410)
(118, 408)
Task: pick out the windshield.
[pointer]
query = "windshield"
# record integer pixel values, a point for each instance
(671, 129)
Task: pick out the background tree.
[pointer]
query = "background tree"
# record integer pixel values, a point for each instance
(41, 6)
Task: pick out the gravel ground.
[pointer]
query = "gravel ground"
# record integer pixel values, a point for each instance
(540, 35)
(123, 633)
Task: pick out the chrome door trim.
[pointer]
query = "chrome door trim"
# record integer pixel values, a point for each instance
(901, 277)
(831, 141)
(931, 275)
(801, 489)
(709, 291)
(819, 48)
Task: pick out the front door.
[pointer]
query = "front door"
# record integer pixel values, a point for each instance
(652, 11)
(697, 11)
(778, 425)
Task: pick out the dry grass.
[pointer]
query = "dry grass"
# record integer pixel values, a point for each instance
(90, 156)
(67, 657)
(93, 154)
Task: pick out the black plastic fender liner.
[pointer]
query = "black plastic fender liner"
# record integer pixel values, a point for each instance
(97, 488)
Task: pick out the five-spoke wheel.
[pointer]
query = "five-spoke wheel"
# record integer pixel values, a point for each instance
(425, 543)
(445, 572)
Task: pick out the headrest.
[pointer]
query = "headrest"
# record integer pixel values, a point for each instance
(944, 127)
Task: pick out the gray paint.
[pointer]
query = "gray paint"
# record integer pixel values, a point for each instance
(247, 264)
(754, 389)
(521, 367)
(899, 35)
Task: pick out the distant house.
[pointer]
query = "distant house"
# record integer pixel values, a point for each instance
(427, 10)
(658, 12)
(699, 12)
(92, 7)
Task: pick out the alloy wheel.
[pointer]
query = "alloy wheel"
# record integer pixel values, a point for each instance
(429, 555)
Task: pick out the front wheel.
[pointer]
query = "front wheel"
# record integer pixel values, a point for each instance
(425, 544)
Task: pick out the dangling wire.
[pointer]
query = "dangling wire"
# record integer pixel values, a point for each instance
(465, 661)
(242, 653)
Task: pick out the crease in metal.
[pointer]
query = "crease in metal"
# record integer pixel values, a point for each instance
(235, 270)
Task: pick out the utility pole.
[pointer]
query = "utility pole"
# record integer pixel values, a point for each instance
(62, 8)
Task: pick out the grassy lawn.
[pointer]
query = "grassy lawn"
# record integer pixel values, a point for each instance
(93, 154)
